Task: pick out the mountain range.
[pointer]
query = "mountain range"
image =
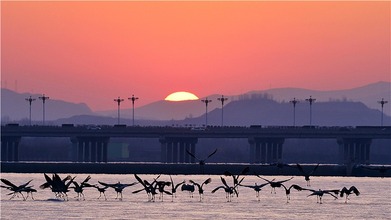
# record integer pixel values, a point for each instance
(350, 107)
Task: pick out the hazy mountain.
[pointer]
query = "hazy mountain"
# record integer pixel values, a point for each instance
(165, 110)
(15, 107)
(255, 107)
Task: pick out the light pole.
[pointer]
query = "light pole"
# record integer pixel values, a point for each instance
(43, 98)
(206, 101)
(119, 100)
(382, 102)
(133, 100)
(222, 100)
(30, 100)
(294, 102)
(311, 100)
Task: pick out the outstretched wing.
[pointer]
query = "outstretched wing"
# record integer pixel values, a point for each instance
(188, 152)
(206, 182)
(296, 187)
(87, 179)
(283, 181)
(198, 185)
(8, 183)
(217, 188)
(355, 190)
(139, 179)
(316, 167)
(179, 184)
(224, 182)
(245, 171)
(264, 179)
(301, 169)
(212, 154)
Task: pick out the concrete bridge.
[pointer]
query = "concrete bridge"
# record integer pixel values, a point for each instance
(90, 143)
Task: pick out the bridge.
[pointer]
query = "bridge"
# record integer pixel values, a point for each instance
(90, 143)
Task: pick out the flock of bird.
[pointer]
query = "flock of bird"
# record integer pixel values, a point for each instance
(61, 187)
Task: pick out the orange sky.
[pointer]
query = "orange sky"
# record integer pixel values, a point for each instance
(93, 52)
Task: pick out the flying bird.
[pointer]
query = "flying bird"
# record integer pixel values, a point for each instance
(201, 161)
(307, 174)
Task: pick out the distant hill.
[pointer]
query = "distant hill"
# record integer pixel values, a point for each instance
(15, 107)
(357, 106)
(261, 110)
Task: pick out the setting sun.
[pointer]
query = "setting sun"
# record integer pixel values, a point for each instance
(181, 96)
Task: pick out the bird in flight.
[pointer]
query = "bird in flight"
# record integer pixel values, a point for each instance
(306, 174)
(201, 161)
(319, 194)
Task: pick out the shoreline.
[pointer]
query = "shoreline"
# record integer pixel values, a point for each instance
(185, 169)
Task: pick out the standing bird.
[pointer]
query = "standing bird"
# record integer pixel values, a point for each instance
(101, 190)
(174, 188)
(319, 194)
(160, 186)
(118, 187)
(229, 190)
(200, 189)
(80, 188)
(188, 187)
(306, 174)
(349, 191)
(18, 189)
(288, 191)
(149, 188)
(57, 185)
(274, 184)
(201, 161)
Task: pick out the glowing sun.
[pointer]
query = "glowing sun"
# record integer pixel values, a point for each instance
(181, 96)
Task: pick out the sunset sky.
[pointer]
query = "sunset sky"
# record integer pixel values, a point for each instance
(93, 52)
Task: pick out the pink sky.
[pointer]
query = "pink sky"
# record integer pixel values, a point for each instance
(93, 52)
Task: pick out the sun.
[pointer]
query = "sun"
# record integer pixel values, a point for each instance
(181, 96)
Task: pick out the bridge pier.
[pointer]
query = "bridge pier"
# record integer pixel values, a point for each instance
(173, 150)
(265, 150)
(10, 148)
(89, 149)
(354, 150)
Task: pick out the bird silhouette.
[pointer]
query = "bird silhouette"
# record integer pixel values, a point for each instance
(319, 194)
(288, 191)
(118, 187)
(188, 187)
(307, 174)
(274, 184)
(201, 161)
(229, 190)
(347, 192)
(236, 177)
(79, 188)
(174, 188)
(160, 186)
(200, 187)
(101, 190)
(149, 188)
(59, 186)
(15, 190)
(257, 188)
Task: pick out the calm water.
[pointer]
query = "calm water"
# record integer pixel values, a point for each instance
(373, 203)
